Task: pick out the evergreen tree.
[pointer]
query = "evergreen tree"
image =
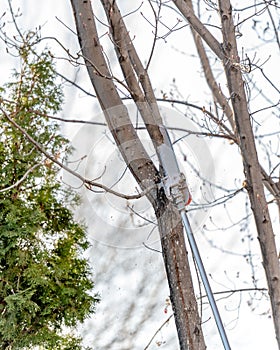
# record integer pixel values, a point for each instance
(45, 282)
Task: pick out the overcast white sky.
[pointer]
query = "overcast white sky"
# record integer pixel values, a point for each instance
(173, 59)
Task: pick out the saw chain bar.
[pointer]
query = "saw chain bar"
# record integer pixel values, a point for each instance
(176, 190)
(173, 181)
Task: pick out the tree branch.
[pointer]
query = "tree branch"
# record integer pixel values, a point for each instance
(157, 331)
(252, 169)
(132, 67)
(86, 182)
(200, 28)
(114, 110)
(21, 179)
(270, 185)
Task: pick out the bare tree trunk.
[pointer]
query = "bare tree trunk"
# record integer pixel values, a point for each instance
(255, 175)
(209, 77)
(170, 227)
(115, 112)
(179, 278)
(222, 100)
(252, 167)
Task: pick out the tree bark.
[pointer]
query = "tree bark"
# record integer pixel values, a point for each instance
(255, 175)
(116, 114)
(186, 8)
(179, 278)
(170, 227)
(135, 75)
(187, 11)
(252, 167)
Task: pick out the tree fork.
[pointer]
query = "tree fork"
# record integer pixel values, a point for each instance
(170, 227)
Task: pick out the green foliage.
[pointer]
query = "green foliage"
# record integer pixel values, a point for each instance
(45, 283)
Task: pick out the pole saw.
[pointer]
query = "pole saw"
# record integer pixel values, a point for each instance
(176, 190)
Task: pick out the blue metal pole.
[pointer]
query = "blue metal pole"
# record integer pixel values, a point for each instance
(204, 278)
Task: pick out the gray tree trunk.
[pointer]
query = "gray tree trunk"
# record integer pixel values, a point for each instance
(255, 175)
(170, 227)
(252, 169)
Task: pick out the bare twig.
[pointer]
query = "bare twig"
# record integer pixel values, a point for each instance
(232, 291)
(202, 109)
(22, 178)
(87, 183)
(252, 168)
(157, 331)
(156, 16)
(200, 28)
(276, 31)
(14, 20)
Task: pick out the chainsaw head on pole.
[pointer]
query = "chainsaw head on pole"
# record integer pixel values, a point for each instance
(173, 182)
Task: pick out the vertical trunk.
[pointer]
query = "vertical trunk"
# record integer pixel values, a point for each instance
(170, 227)
(252, 167)
(253, 172)
(209, 77)
(200, 33)
(179, 278)
(114, 110)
